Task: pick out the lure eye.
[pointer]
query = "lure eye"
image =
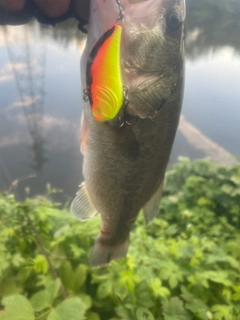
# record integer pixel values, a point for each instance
(173, 22)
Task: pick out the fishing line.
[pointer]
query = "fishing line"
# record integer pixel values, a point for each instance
(121, 115)
(121, 11)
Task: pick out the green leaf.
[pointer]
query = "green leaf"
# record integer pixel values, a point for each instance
(17, 259)
(219, 277)
(79, 276)
(104, 290)
(236, 179)
(120, 291)
(40, 264)
(173, 310)
(222, 312)
(40, 301)
(228, 189)
(144, 314)
(123, 312)
(17, 307)
(236, 297)
(87, 300)
(171, 230)
(65, 274)
(9, 287)
(93, 316)
(156, 285)
(195, 305)
(44, 298)
(164, 292)
(72, 308)
(165, 273)
(73, 279)
(145, 299)
(173, 281)
(76, 250)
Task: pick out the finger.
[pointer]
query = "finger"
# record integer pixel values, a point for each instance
(12, 5)
(82, 9)
(53, 8)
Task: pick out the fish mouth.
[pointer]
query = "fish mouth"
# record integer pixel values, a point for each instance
(151, 9)
(136, 1)
(143, 10)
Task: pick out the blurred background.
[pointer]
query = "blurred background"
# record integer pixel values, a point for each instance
(40, 98)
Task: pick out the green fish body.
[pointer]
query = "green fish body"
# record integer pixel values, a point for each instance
(124, 167)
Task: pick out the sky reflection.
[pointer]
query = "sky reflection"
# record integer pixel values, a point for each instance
(40, 98)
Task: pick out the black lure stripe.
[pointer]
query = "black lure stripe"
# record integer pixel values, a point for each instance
(91, 59)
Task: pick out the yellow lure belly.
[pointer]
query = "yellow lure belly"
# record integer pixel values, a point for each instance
(103, 76)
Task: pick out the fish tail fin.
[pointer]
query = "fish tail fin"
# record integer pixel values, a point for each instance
(102, 254)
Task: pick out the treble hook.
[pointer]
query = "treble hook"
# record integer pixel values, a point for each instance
(121, 114)
(86, 94)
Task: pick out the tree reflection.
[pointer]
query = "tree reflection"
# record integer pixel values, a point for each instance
(30, 84)
(64, 32)
(210, 25)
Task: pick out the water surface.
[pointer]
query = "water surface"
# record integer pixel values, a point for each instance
(40, 97)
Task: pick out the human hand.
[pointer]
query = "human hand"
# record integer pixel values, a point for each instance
(15, 12)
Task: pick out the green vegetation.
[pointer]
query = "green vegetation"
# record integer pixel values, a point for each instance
(186, 265)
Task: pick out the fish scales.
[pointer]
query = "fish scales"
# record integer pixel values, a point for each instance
(124, 167)
(141, 50)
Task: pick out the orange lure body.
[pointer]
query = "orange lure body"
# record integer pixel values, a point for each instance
(104, 80)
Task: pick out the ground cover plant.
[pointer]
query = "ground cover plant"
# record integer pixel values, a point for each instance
(186, 265)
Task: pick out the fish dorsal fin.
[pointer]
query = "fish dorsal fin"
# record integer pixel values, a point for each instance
(150, 209)
(82, 207)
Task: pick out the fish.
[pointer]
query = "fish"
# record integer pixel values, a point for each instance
(124, 162)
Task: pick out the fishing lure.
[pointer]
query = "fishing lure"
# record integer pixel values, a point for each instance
(103, 76)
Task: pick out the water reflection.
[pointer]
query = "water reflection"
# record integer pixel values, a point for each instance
(29, 74)
(211, 25)
(40, 97)
(38, 111)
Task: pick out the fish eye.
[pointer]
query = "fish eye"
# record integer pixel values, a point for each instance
(173, 22)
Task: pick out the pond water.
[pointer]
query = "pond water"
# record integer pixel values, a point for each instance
(40, 98)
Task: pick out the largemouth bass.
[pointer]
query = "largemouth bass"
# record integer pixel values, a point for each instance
(124, 165)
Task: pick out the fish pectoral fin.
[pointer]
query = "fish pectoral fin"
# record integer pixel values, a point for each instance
(82, 207)
(150, 209)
